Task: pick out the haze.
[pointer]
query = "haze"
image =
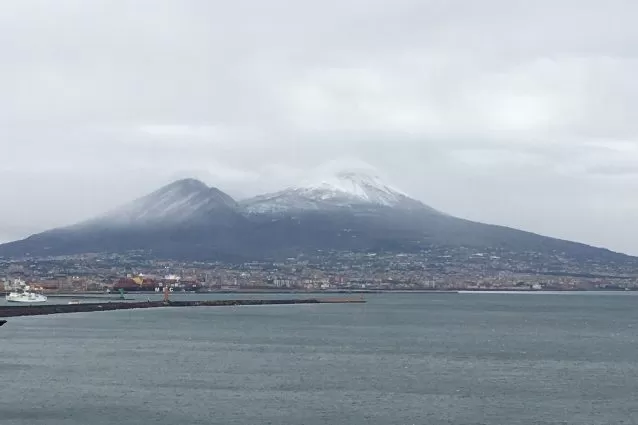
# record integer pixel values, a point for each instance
(503, 111)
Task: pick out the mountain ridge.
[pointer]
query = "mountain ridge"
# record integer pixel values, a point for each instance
(344, 189)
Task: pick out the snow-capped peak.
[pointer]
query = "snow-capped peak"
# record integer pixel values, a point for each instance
(349, 188)
(354, 186)
(181, 201)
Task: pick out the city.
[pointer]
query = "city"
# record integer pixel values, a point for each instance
(439, 269)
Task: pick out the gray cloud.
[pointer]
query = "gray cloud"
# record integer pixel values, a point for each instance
(504, 111)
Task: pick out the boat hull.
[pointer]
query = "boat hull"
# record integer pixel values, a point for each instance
(29, 300)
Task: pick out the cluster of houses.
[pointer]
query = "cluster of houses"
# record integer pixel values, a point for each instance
(143, 282)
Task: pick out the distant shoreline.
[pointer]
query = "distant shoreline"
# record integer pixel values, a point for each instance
(116, 295)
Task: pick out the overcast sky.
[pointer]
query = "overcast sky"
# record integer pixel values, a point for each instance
(513, 112)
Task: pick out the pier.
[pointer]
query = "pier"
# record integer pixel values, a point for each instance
(43, 309)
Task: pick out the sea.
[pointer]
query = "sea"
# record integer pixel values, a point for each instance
(453, 359)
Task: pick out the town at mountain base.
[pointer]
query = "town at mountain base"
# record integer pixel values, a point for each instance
(348, 212)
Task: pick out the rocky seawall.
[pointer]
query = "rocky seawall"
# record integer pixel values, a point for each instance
(43, 309)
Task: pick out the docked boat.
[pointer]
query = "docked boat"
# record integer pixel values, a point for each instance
(25, 296)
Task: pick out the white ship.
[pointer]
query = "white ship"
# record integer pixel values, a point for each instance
(25, 296)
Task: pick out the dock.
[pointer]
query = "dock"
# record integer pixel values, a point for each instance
(44, 309)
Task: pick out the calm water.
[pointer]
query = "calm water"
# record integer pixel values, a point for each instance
(400, 359)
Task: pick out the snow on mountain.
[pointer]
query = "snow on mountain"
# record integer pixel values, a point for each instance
(343, 189)
(179, 202)
(355, 186)
(192, 202)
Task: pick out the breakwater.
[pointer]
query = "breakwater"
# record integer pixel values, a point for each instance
(42, 309)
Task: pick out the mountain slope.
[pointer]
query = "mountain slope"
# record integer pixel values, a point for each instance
(405, 231)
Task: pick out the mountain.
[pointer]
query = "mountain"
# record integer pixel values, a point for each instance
(185, 218)
(342, 211)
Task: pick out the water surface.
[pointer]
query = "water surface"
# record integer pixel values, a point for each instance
(399, 359)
